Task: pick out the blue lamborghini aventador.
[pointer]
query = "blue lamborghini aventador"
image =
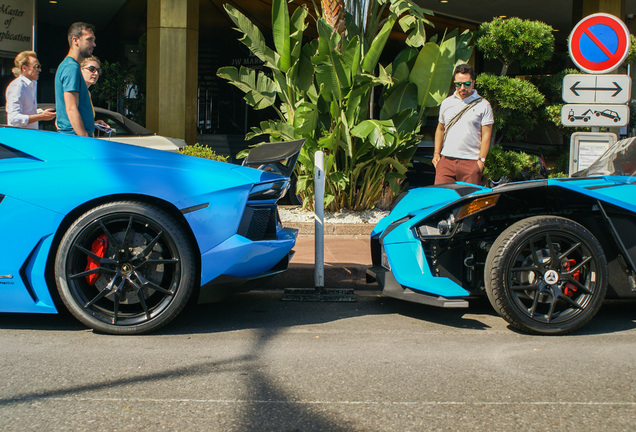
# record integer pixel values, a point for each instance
(123, 236)
(546, 253)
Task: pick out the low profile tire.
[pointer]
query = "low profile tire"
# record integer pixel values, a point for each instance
(125, 268)
(546, 275)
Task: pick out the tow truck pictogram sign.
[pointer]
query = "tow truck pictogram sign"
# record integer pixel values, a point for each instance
(594, 115)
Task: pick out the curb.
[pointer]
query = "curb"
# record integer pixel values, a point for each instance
(336, 276)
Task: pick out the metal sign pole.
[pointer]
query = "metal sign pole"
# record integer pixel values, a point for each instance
(319, 293)
(319, 215)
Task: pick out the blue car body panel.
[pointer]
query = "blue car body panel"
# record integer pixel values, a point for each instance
(58, 177)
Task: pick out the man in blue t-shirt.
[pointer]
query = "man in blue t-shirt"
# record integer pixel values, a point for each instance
(72, 101)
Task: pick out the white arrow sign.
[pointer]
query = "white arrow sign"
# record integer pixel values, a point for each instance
(576, 115)
(612, 89)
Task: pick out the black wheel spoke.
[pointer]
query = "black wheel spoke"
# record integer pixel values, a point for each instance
(580, 286)
(525, 287)
(552, 262)
(110, 237)
(146, 283)
(579, 265)
(553, 303)
(92, 255)
(535, 303)
(570, 251)
(96, 270)
(126, 241)
(148, 249)
(158, 261)
(535, 256)
(103, 293)
(88, 253)
(141, 297)
(571, 302)
(100, 295)
(533, 269)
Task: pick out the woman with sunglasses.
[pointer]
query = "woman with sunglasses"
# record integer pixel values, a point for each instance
(21, 94)
(91, 69)
(462, 137)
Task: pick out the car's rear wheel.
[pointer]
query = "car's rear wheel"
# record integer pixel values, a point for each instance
(125, 268)
(546, 275)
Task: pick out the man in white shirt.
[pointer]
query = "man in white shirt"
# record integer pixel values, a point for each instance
(21, 94)
(462, 138)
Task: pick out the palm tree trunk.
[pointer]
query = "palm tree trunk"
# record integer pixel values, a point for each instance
(334, 13)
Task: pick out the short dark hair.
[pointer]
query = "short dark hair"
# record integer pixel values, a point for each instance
(464, 68)
(76, 29)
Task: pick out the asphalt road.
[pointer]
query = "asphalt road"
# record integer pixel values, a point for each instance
(255, 363)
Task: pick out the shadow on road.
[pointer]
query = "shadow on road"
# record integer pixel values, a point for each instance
(265, 310)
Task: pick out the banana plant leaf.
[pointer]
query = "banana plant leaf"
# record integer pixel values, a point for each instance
(252, 37)
(372, 57)
(260, 91)
(432, 72)
(281, 34)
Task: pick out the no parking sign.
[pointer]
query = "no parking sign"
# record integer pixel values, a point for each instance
(599, 43)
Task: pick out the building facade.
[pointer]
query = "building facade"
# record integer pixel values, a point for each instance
(174, 48)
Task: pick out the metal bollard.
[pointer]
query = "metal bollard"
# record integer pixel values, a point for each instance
(319, 216)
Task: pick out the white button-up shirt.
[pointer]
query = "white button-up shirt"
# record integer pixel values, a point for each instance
(21, 102)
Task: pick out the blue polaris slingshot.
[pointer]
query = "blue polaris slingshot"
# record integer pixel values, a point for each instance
(546, 253)
(123, 236)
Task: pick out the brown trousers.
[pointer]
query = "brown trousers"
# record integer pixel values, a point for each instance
(450, 170)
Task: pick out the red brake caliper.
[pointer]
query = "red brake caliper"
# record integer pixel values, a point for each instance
(98, 248)
(570, 289)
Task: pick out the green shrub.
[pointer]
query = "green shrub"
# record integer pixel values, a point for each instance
(504, 166)
(201, 151)
(562, 164)
(559, 174)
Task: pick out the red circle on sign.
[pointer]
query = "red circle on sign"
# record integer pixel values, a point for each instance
(615, 58)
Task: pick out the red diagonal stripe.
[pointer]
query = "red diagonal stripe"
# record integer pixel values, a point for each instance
(599, 43)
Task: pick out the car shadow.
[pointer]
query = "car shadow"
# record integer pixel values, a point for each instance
(267, 311)
(614, 316)
(464, 318)
(62, 321)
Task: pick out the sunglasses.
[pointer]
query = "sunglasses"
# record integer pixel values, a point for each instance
(93, 69)
(35, 66)
(465, 84)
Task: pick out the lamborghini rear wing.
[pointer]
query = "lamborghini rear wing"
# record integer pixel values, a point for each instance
(278, 157)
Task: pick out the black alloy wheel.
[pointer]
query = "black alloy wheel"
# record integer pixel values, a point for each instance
(125, 268)
(546, 275)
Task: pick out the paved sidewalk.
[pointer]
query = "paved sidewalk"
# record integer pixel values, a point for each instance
(338, 250)
(346, 259)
